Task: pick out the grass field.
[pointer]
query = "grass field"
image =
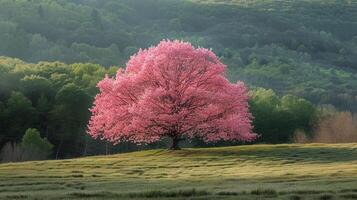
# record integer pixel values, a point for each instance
(313, 171)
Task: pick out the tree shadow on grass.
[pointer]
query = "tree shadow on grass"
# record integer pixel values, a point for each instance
(292, 153)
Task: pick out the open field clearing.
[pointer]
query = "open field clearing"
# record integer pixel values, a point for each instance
(313, 171)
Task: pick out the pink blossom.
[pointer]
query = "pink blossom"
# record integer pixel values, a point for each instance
(173, 90)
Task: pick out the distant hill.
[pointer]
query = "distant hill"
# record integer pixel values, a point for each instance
(308, 48)
(312, 171)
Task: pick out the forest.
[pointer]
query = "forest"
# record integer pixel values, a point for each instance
(299, 59)
(55, 98)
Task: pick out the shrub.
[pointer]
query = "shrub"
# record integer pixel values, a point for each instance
(35, 147)
(300, 137)
(337, 127)
(11, 152)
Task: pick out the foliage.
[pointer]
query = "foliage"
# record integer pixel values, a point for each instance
(304, 48)
(61, 95)
(18, 115)
(35, 147)
(277, 118)
(32, 147)
(171, 90)
(51, 97)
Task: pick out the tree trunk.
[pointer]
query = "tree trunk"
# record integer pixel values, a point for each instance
(59, 148)
(85, 146)
(175, 143)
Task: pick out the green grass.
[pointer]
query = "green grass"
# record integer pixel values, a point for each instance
(313, 171)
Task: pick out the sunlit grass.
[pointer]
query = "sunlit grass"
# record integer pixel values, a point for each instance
(269, 171)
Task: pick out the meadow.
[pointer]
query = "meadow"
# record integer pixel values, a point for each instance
(287, 171)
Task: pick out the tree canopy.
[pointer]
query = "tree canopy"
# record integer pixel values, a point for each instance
(171, 90)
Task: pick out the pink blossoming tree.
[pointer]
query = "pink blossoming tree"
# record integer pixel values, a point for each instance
(171, 90)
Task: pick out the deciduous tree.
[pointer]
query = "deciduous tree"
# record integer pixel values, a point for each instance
(171, 90)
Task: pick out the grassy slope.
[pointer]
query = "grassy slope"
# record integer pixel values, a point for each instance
(251, 172)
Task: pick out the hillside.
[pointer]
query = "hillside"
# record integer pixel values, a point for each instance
(316, 171)
(306, 48)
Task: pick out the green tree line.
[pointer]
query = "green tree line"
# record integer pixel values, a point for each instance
(51, 97)
(51, 100)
